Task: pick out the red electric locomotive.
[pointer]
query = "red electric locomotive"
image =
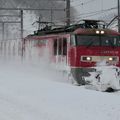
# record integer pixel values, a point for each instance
(77, 48)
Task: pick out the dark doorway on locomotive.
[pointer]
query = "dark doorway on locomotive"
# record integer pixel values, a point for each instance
(60, 46)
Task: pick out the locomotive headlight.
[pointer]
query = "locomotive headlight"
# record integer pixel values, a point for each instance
(88, 58)
(97, 32)
(102, 32)
(110, 59)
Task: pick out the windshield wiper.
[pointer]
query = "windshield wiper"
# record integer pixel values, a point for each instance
(90, 44)
(113, 46)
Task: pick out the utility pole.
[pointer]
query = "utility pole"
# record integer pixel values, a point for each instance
(21, 11)
(51, 15)
(39, 23)
(3, 31)
(68, 12)
(118, 16)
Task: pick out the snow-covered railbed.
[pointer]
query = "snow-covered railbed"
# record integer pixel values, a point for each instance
(31, 92)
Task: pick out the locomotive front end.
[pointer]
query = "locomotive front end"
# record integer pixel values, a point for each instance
(91, 46)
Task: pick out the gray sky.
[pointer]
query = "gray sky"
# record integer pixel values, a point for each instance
(95, 8)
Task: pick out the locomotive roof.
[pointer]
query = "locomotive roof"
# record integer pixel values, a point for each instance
(71, 28)
(87, 26)
(90, 20)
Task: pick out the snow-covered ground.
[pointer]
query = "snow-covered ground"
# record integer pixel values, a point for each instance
(32, 91)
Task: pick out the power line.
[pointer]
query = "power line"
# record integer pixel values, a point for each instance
(96, 12)
(89, 14)
(84, 3)
(118, 16)
(45, 9)
(9, 15)
(52, 0)
(68, 12)
(72, 1)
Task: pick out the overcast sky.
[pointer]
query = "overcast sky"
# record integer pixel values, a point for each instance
(94, 8)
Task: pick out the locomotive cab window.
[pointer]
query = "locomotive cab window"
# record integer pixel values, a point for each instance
(72, 40)
(87, 40)
(39, 42)
(97, 40)
(57, 47)
(113, 41)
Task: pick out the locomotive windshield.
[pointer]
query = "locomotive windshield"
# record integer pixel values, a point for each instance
(92, 40)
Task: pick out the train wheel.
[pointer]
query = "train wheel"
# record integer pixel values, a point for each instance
(110, 90)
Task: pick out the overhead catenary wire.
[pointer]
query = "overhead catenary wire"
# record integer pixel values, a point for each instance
(83, 3)
(89, 14)
(99, 11)
(72, 1)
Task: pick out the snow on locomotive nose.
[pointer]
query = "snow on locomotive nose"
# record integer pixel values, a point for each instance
(105, 78)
